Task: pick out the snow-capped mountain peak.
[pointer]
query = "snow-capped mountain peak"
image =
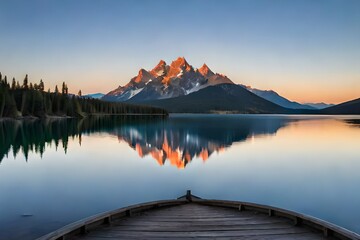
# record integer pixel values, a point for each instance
(205, 71)
(142, 77)
(177, 68)
(180, 62)
(160, 69)
(179, 79)
(166, 81)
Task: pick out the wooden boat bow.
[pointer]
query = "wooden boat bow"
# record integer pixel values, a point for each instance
(190, 216)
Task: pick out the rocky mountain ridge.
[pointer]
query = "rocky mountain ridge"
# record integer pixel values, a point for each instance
(167, 81)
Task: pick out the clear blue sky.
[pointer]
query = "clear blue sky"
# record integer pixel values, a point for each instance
(305, 50)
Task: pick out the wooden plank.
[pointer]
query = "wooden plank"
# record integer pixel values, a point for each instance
(301, 236)
(191, 227)
(136, 222)
(242, 233)
(219, 219)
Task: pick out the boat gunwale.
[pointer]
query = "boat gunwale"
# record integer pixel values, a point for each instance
(84, 225)
(81, 226)
(328, 229)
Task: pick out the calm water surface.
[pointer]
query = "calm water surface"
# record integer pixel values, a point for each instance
(55, 172)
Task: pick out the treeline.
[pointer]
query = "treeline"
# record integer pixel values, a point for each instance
(28, 99)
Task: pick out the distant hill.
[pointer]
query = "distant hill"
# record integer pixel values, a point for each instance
(94, 95)
(274, 97)
(350, 107)
(319, 105)
(219, 98)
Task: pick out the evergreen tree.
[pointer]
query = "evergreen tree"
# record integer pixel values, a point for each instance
(24, 103)
(63, 90)
(25, 83)
(13, 84)
(2, 100)
(5, 81)
(10, 106)
(41, 85)
(38, 108)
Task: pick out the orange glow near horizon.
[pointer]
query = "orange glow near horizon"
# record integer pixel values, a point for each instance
(300, 94)
(306, 89)
(295, 92)
(317, 95)
(299, 87)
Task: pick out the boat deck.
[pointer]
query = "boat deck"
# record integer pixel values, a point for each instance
(191, 217)
(192, 220)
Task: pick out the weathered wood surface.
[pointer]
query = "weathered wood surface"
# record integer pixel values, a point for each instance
(316, 224)
(83, 225)
(190, 217)
(193, 220)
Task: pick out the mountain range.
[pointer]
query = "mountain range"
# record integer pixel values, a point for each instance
(94, 95)
(166, 81)
(274, 97)
(179, 87)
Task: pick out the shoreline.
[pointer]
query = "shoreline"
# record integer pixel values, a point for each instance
(54, 117)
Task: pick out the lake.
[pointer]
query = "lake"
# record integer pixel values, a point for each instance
(54, 172)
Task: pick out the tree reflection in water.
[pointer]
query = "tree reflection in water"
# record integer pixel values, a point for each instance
(177, 139)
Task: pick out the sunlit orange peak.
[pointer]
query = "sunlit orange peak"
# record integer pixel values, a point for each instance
(142, 75)
(205, 70)
(159, 69)
(180, 63)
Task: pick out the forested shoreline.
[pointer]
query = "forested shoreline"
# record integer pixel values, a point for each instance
(31, 100)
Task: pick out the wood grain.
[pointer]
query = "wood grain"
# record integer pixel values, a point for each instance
(193, 220)
(190, 217)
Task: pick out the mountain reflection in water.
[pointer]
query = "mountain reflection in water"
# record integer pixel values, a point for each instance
(177, 139)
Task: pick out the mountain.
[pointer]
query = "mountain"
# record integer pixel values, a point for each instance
(274, 97)
(219, 98)
(319, 105)
(94, 95)
(181, 79)
(350, 107)
(166, 81)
